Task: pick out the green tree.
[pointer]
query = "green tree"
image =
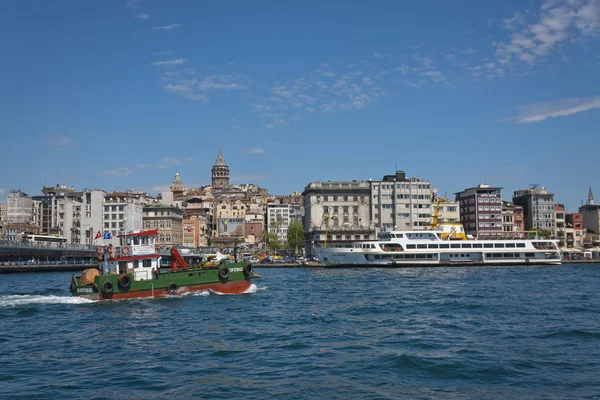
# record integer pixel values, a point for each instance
(273, 241)
(295, 235)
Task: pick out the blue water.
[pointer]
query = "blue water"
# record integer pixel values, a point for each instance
(445, 333)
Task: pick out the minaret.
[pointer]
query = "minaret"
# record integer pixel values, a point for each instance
(590, 197)
(177, 186)
(220, 171)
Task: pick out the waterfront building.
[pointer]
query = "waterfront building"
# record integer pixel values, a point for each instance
(337, 213)
(400, 203)
(2, 220)
(44, 206)
(481, 211)
(278, 220)
(77, 216)
(229, 215)
(254, 223)
(19, 207)
(220, 172)
(168, 220)
(560, 221)
(194, 231)
(538, 206)
(512, 220)
(448, 209)
(591, 214)
(574, 231)
(123, 213)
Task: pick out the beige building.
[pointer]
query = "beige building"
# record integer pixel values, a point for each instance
(591, 214)
(195, 231)
(168, 220)
(448, 210)
(337, 213)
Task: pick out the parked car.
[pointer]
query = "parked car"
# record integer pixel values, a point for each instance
(254, 260)
(301, 260)
(266, 260)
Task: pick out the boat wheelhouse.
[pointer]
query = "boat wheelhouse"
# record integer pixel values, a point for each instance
(410, 248)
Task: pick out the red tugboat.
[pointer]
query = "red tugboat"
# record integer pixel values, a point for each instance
(133, 270)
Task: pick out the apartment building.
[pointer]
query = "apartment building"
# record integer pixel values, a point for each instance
(401, 203)
(122, 213)
(538, 205)
(481, 211)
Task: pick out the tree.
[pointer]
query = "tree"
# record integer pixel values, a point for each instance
(295, 235)
(273, 241)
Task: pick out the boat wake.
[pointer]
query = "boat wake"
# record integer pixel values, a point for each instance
(252, 289)
(27, 299)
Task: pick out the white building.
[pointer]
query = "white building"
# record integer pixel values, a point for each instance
(19, 207)
(401, 203)
(278, 220)
(122, 213)
(78, 215)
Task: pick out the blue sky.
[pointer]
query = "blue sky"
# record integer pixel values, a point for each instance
(122, 94)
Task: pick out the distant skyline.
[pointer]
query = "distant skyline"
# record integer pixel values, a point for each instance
(122, 94)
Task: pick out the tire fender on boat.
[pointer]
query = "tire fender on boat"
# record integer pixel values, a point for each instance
(107, 287)
(73, 286)
(223, 273)
(248, 269)
(95, 288)
(124, 281)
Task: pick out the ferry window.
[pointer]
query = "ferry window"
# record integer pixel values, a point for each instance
(420, 255)
(508, 255)
(378, 257)
(429, 255)
(433, 246)
(477, 245)
(529, 254)
(399, 235)
(489, 255)
(147, 263)
(372, 246)
(510, 245)
(466, 245)
(499, 245)
(409, 256)
(497, 255)
(488, 245)
(455, 246)
(444, 246)
(421, 246)
(520, 244)
(398, 256)
(136, 240)
(411, 246)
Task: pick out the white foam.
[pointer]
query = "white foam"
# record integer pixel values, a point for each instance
(21, 300)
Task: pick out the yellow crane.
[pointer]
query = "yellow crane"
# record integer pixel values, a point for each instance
(437, 213)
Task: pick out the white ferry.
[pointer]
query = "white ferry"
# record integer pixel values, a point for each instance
(427, 248)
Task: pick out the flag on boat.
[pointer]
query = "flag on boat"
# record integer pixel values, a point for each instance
(98, 235)
(107, 235)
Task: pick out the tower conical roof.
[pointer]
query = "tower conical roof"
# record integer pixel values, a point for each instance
(590, 197)
(220, 159)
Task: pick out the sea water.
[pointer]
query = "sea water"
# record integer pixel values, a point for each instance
(312, 333)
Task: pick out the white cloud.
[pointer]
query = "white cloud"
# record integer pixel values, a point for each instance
(141, 16)
(135, 4)
(117, 171)
(169, 63)
(167, 27)
(167, 162)
(59, 142)
(161, 53)
(256, 150)
(557, 108)
(558, 21)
